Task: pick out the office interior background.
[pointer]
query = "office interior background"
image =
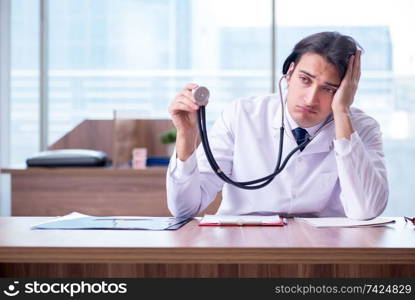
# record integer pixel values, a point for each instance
(98, 56)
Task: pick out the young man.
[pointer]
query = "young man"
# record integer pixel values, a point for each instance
(341, 172)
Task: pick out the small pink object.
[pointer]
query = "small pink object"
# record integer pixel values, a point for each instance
(139, 164)
(139, 152)
(139, 158)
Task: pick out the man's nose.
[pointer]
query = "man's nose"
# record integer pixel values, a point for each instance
(311, 97)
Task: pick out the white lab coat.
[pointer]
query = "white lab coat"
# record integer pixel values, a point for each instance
(328, 178)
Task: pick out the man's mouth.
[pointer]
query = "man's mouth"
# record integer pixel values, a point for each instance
(305, 109)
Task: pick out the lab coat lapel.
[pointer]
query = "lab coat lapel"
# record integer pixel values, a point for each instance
(322, 142)
(289, 139)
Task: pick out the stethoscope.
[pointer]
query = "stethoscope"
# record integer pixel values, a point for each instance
(201, 95)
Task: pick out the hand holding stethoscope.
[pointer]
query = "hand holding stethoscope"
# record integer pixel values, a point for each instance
(183, 111)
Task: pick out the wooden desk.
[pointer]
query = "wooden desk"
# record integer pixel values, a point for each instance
(296, 250)
(93, 191)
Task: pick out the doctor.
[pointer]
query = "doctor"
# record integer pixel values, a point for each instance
(341, 172)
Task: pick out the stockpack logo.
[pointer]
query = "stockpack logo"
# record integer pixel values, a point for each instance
(65, 288)
(12, 290)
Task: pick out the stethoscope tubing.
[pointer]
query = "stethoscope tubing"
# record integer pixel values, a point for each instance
(249, 185)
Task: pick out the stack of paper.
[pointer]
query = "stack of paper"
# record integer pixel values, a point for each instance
(220, 220)
(345, 222)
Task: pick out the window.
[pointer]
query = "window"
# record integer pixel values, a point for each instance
(136, 55)
(24, 80)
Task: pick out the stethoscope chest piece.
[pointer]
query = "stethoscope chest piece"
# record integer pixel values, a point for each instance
(201, 95)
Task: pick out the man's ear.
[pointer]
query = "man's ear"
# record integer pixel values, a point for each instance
(290, 71)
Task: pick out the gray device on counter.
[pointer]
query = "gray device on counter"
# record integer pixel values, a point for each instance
(68, 158)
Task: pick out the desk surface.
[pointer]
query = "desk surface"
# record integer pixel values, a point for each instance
(295, 243)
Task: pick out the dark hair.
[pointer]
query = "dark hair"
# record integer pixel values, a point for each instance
(333, 46)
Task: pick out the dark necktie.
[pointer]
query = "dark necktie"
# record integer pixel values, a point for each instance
(300, 135)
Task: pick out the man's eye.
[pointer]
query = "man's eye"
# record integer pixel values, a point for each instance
(330, 91)
(304, 79)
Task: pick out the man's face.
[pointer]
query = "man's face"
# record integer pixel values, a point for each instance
(311, 86)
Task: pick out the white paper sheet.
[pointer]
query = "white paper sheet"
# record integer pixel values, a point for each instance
(345, 222)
